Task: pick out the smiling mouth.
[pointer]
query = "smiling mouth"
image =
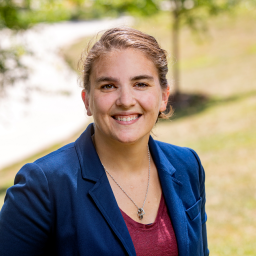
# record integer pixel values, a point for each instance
(126, 118)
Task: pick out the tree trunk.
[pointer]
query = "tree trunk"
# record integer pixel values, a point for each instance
(175, 52)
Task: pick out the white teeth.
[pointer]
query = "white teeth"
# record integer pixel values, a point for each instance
(127, 119)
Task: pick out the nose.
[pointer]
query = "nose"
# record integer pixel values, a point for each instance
(126, 97)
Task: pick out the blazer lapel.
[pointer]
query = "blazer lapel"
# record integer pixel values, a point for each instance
(104, 199)
(101, 193)
(171, 189)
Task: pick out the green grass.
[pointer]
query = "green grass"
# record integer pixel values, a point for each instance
(222, 129)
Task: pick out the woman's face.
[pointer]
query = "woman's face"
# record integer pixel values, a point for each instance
(125, 96)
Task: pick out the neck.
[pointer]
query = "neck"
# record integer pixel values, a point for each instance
(128, 158)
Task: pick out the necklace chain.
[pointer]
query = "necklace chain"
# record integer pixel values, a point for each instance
(140, 211)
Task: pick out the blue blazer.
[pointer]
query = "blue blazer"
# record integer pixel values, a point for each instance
(62, 204)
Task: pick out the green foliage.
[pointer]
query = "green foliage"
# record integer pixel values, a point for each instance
(194, 13)
(47, 12)
(117, 7)
(9, 15)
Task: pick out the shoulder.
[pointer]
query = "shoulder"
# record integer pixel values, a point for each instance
(58, 156)
(185, 160)
(173, 149)
(52, 171)
(61, 167)
(179, 155)
(63, 159)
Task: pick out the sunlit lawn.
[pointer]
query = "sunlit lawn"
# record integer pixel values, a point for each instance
(223, 132)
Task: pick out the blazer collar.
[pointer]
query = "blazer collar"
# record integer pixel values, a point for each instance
(160, 158)
(104, 199)
(91, 166)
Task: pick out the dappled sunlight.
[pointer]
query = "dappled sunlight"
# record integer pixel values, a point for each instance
(218, 120)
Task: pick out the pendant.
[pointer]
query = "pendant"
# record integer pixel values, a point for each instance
(140, 213)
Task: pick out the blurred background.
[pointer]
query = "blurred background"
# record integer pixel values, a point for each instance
(212, 59)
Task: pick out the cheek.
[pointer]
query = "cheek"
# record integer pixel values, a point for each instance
(101, 105)
(152, 102)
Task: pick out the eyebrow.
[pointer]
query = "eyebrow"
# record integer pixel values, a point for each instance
(106, 79)
(142, 77)
(112, 79)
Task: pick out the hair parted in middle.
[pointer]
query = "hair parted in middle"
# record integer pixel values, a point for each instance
(121, 38)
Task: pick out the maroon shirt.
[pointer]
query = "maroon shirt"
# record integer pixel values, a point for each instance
(153, 239)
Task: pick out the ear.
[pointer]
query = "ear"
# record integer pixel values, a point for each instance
(165, 97)
(85, 98)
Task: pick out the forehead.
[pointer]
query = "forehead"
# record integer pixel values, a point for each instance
(123, 63)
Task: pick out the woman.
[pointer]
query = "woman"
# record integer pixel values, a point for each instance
(115, 191)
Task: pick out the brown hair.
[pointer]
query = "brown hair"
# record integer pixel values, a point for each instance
(123, 38)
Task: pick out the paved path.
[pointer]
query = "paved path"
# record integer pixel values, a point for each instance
(54, 109)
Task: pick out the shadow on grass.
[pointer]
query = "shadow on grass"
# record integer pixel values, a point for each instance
(185, 104)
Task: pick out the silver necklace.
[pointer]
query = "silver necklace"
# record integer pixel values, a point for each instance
(140, 211)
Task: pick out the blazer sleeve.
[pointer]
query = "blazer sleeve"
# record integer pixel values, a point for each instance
(202, 195)
(25, 218)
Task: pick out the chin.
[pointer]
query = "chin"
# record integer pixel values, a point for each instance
(130, 139)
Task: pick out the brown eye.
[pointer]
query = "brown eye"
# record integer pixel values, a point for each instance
(141, 85)
(107, 86)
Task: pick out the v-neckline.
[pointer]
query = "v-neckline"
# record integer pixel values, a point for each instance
(141, 225)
